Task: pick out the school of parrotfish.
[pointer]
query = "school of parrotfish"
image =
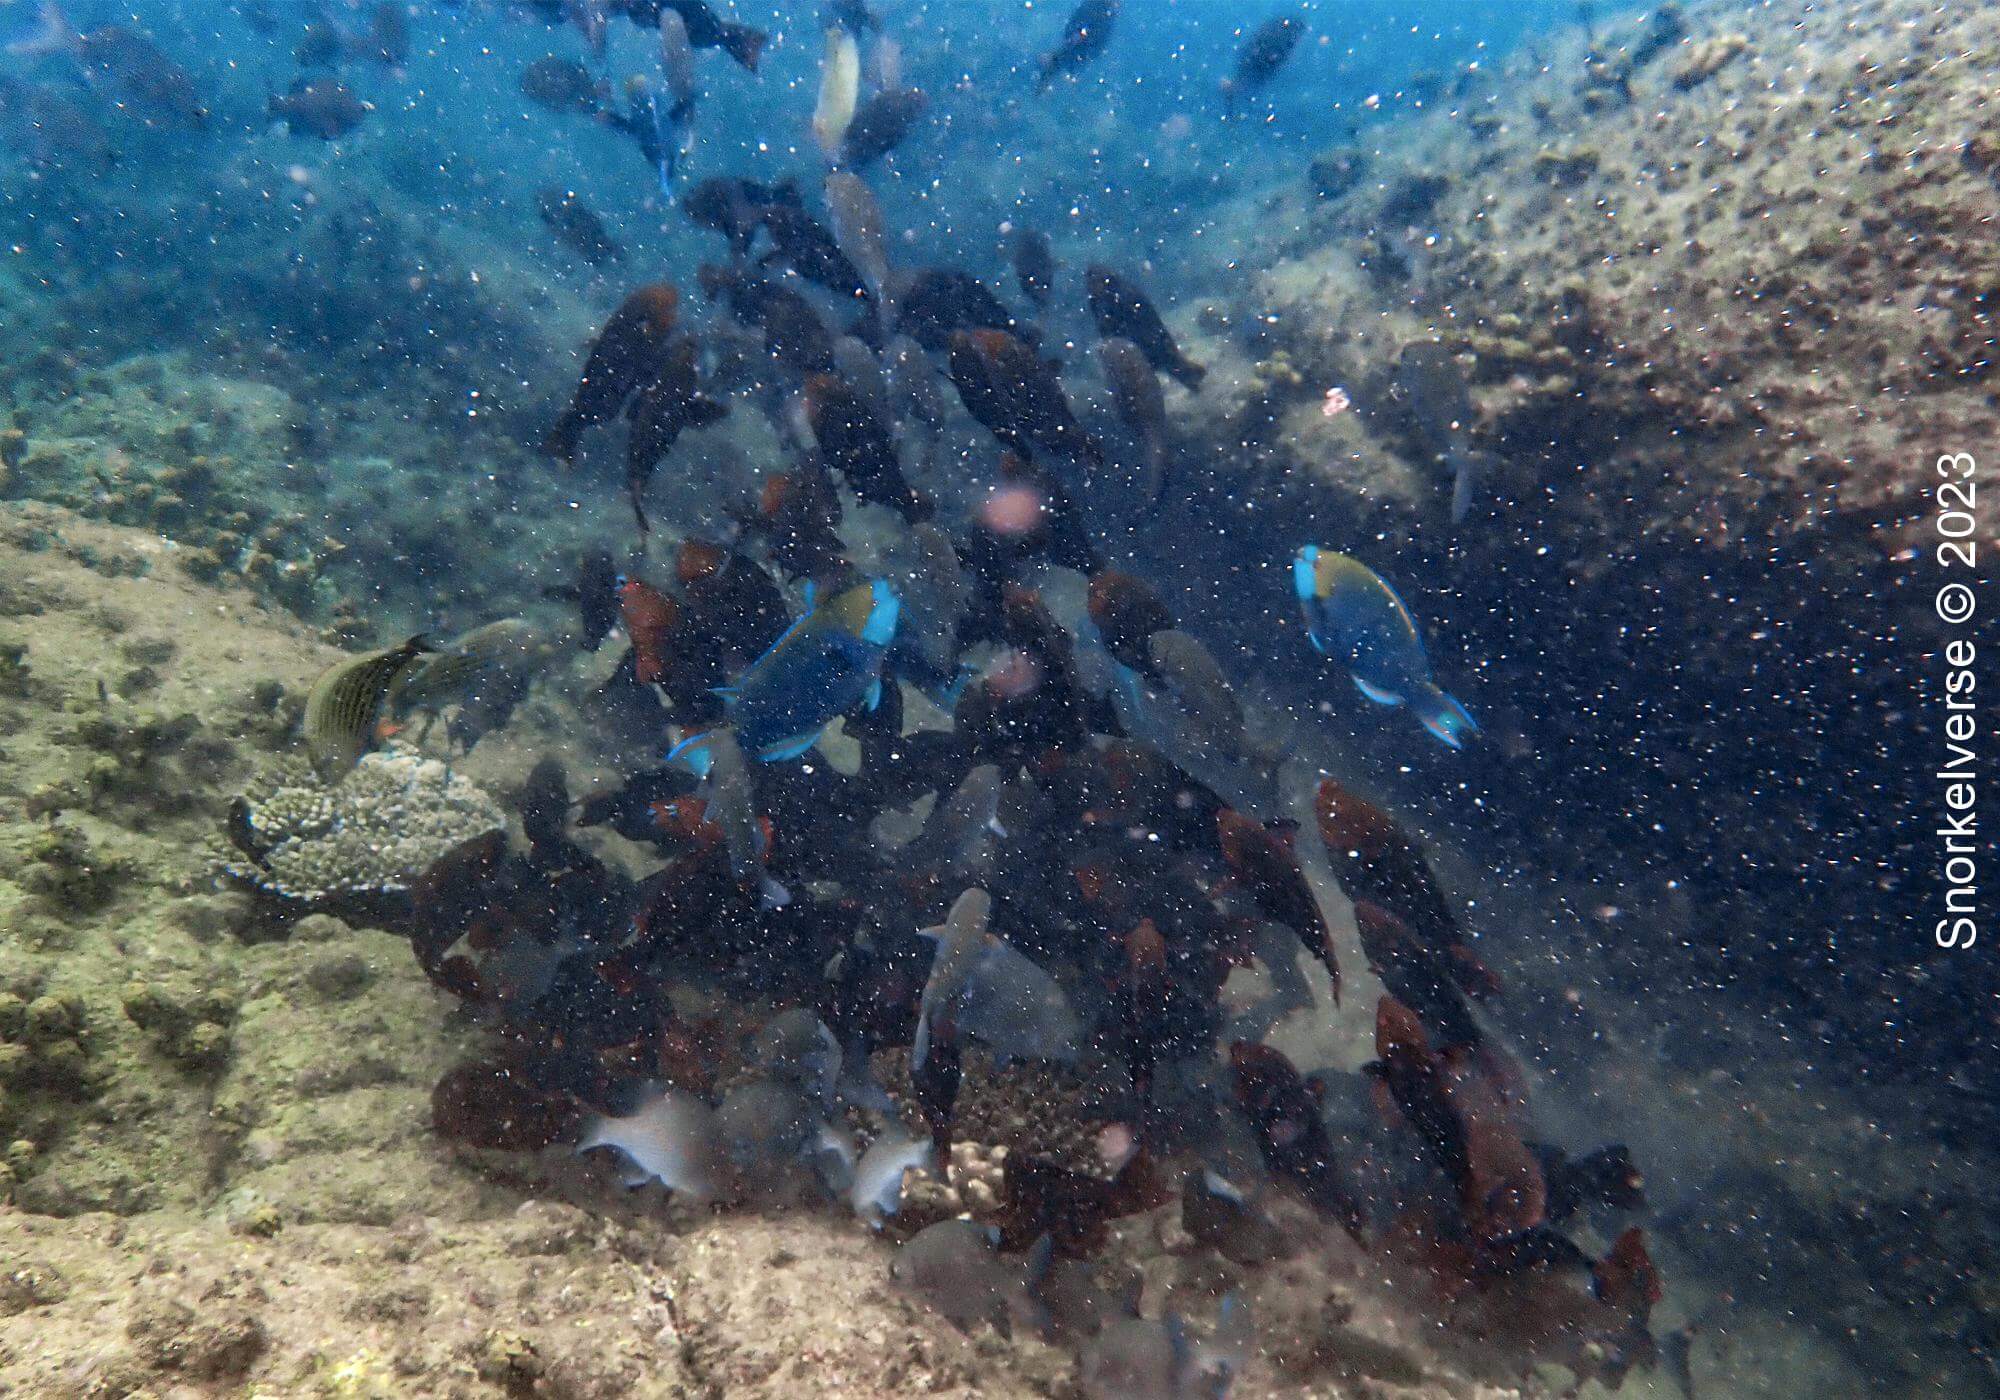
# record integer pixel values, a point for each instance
(1105, 839)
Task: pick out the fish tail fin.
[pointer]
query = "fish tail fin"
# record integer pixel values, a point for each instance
(53, 33)
(1446, 718)
(745, 44)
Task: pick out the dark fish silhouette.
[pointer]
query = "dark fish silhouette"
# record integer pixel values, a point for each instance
(705, 29)
(808, 247)
(795, 334)
(159, 90)
(664, 408)
(1034, 264)
(564, 86)
(735, 207)
(628, 354)
(577, 227)
(937, 301)
(1122, 311)
(1267, 50)
(856, 443)
(880, 124)
(1084, 37)
(322, 107)
(1015, 395)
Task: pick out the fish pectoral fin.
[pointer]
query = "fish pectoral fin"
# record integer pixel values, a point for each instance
(873, 699)
(1376, 693)
(1318, 642)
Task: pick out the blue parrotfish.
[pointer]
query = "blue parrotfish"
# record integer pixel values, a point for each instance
(1355, 618)
(826, 663)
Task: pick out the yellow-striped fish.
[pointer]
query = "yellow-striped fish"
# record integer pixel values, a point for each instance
(345, 703)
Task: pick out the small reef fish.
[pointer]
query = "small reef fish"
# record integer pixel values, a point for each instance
(732, 806)
(826, 663)
(735, 208)
(877, 1192)
(1084, 37)
(857, 444)
(705, 28)
(346, 703)
(987, 990)
(322, 107)
(804, 244)
(795, 334)
(1034, 259)
(328, 41)
(935, 301)
(500, 653)
(1291, 1133)
(121, 60)
(577, 227)
(858, 228)
(672, 1137)
(1431, 383)
(1356, 619)
(674, 126)
(626, 355)
(1122, 311)
(1136, 1358)
(881, 123)
(650, 617)
(53, 129)
(796, 1046)
(1263, 54)
(662, 410)
(1126, 612)
(839, 92)
(955, 1269)
(1141, 407)
(1014, 394)
(564, 86)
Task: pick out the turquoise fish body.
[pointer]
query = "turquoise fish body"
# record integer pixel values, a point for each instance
(1355, 618)
(826, 663)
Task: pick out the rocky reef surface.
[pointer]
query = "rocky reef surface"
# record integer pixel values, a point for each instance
(221, 1174)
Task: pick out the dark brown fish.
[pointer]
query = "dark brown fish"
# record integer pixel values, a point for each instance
(1034, 264)
(735, 207)
(629, 353)
(1267, 50)
(937, 301)
(856, 443)
(880, 124)
(1084, 37)
(1015, 395)
(564, 86)
(577, 227)
(1126, 611)
(1141, 407)
(1122, 311)
(322, 107)
(670, 404)
(795, 334)
(1377, 863)
(805, 245)
(1290, 1131)
(705, 29)
(796, 514)
(1264, 861)
(158, 88)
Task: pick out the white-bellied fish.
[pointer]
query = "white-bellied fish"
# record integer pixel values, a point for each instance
(877, 1192)
(670, 1138)
(991, 992)
(826, 663)
(1134, 1358)
(1356, 619)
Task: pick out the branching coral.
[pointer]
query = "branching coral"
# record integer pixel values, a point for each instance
(372, 832)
